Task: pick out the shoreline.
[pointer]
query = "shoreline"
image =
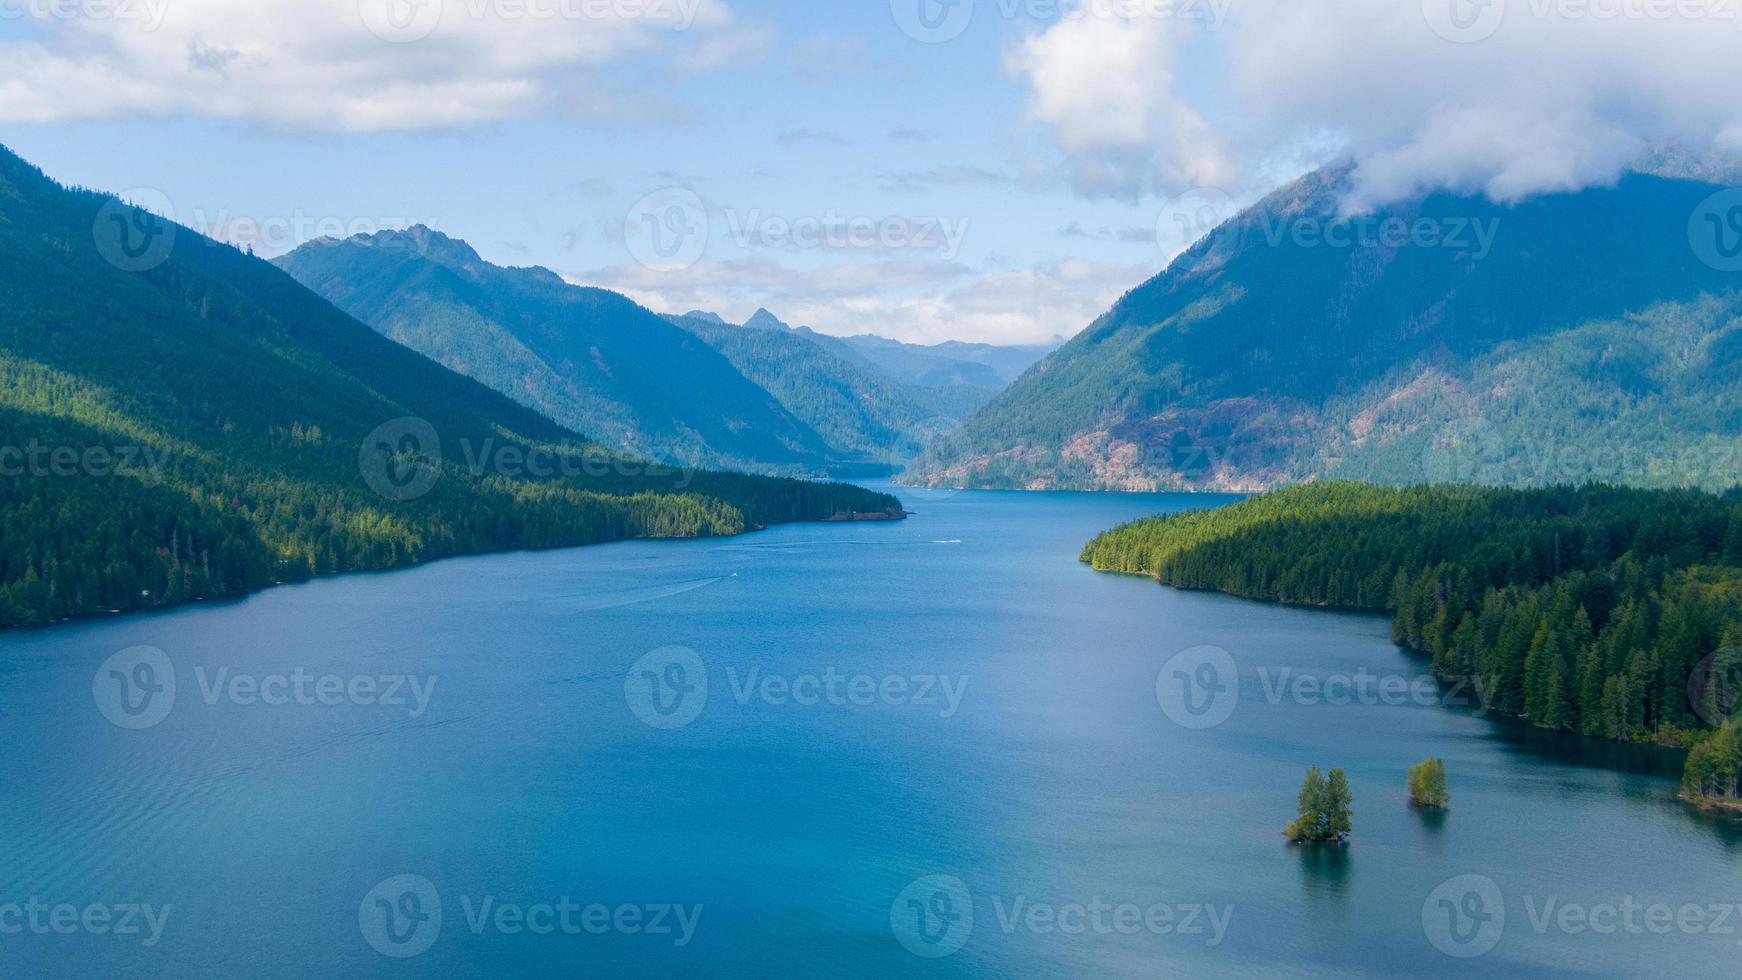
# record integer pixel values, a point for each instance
(244, 594)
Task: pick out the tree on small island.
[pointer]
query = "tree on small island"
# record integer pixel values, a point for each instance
(1427, 784)
(1714, 769)
(1325, 809)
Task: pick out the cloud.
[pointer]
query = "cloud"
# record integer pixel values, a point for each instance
(907, 298)
(1105, 85)
(342, 64)
(1129, 235)
(1534, 98)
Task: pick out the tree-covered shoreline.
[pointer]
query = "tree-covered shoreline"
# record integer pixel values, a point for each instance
(180, 421)
(1602, 611)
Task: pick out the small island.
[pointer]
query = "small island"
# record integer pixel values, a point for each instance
(1427, 784)
(1713, 776)
(1326, 809)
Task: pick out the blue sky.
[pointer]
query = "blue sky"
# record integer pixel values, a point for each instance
(831, 113)
(816, 158)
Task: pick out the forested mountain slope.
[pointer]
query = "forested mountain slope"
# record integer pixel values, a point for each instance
(866, 417)
(591, 359)
(181, 420)
(1570, 337)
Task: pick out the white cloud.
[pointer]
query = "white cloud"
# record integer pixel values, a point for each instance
(912, 299)
(1557, 97)
(338, 65)
(1106, 86)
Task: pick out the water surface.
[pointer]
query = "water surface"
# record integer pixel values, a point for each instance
(800, 830)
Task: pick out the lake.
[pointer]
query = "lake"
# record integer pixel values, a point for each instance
(941, 747)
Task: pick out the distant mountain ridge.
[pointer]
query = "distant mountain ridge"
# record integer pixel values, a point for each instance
(869, 419)
(949, 364)
(593, 360)
(1570, 337)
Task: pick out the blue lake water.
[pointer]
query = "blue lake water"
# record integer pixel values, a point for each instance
(933, 748)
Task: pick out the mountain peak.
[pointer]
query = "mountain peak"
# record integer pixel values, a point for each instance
(707, 317)
(426, 242)
(764, 320)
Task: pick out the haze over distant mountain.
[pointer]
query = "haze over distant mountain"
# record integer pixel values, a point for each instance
(184, 421)
(864, 415)
(593, 360)
(1578, 336)
(951, 364)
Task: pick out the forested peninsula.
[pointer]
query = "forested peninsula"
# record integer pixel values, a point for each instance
(1603, 611)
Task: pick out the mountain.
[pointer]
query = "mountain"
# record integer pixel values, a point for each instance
(949, 363)
(764, 320)
(865, 417)
(593, 360)
(180, 420)
(952, 364)
(1571, 337)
